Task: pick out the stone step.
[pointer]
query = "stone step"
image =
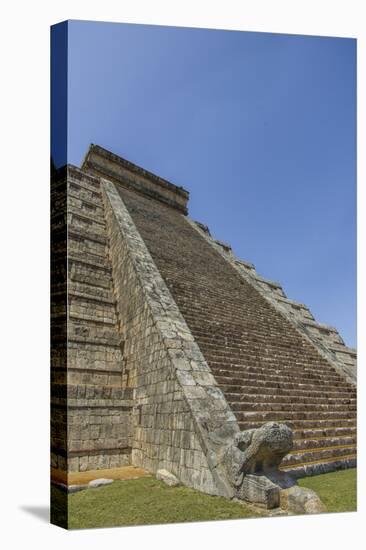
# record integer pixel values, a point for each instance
(324, 442)
(222, 325)
(293, 304)
(234, 369)
(322, 466)
(324, 433)
(76, 184)
(91, 334)
(75, 175)
(245, 264)
(80, 218)
(106, 377)
(86, 204)
(252, 358)
(90, 217)
(291, 393)
(90, 292)
(272, 371)
(255, 398)
(86, 247)
(95, 262)
(85, 192)
(91, 391)
(89, 358)
(290, 407)
(304, 424)
(187, 295)
(91, 310)
(76, 221)
(249, 359)
(311, 455)
(268, 282)
(80, 234)
(91, 319)
(277, 381)
(262, 384)
(276, 375)
(339, 348)
(85, 234)
(84, 274)
(98, 302)
(294, 416)
(218, 336)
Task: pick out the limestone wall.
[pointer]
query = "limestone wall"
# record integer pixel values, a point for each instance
(58, 315)
(91, 396)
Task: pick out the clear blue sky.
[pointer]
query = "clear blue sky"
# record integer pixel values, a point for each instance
(260, 128)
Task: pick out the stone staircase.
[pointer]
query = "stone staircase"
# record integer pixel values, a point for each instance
(266, 366)
(324, 337)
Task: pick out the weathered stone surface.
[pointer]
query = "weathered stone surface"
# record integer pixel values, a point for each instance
(258, 489)
(252, 459)
(179, 419)
(168, 478)
(91, 411)
(94, 483)
(103, 163)
(300, 500)
(257, 451)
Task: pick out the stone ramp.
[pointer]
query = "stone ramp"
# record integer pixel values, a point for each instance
(181, 419)
(267, 370)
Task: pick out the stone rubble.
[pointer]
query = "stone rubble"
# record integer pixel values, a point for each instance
(168, 478)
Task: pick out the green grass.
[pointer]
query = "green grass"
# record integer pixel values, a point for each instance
(337, 490)
(147, 501)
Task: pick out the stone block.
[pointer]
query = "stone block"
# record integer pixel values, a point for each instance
(260, 490)
(300, 500)
(99, 482)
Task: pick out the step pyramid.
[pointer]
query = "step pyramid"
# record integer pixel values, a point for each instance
(139, 267)
(266, 369)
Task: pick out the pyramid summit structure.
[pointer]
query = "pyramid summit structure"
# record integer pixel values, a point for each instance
(166, 346)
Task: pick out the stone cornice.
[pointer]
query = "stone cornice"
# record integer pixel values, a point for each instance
(103, 163)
